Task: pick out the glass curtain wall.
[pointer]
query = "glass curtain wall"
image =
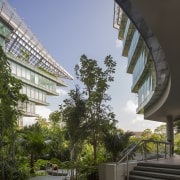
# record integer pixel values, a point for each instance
(147, 87)
(140, 64)
(32, 77)
(34, 93)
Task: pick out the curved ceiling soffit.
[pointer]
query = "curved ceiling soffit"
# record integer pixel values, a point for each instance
(159, 58)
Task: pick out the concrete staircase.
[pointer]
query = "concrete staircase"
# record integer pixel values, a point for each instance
(155, 171)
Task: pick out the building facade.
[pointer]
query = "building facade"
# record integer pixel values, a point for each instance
(29, 61)
(151, 43)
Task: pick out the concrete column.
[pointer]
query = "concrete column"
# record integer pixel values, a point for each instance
(170, 132)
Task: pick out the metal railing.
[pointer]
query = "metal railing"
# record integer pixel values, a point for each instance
(143, 144)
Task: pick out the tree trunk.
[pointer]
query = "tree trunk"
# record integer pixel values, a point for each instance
(32, 163)
(2, 144)
(72, 161)
(95, 148)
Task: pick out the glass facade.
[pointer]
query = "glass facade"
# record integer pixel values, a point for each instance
(29, 61)
(133, 45)
(32, 77)
(145, 89)
(34, 93)
(4, 31)
(126, 31)
(140, 64)
(28, 108)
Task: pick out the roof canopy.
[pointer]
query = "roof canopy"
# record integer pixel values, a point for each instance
(23, 43)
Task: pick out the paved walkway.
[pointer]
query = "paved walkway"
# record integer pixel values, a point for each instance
(48, 177)
(173, 160)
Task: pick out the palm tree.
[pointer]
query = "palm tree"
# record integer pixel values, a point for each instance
(115, 142)
(74, 112)
(33, 142)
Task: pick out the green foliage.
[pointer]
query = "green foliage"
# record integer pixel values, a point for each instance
(96, 82)
(47, 72)
(115, 142)
(42, 122)
(32, 141)
(13, 171)
(24, 55)
(55, 161)
(146, 134)
(74, 113)
(9, 114)
(55, 118)
(40, 164)
(177, 143)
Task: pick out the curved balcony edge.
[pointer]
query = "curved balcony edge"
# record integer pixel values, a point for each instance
(159, 58)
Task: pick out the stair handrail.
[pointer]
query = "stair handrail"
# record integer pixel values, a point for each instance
(130, 149)
(126, 153)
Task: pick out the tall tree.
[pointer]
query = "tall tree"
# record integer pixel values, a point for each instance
(9, 113)
(96, 82)
(74, 113)
(55, 118)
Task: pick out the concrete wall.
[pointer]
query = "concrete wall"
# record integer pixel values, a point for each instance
(111, 171)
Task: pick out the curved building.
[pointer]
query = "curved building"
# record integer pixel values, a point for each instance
(29, 61)
(150, 34)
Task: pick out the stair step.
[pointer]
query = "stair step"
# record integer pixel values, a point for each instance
(170, 166)
(155, 175)
(134, 177)
(157, 169)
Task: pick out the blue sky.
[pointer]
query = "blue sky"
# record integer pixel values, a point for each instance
(68, 29)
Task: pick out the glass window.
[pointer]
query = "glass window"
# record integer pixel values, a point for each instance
(13, 68)
(27, 74)
(24, 89)
(44, 97)
(18, 70)
(40, 95)
(2, 41)
(28, 107)
(28, 91)
(32, 93)
(32, 77)
(36, 79)
(21, 91)
(36, 94)
(23, 72)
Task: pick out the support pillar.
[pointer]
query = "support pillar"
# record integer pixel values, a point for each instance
(170, 133)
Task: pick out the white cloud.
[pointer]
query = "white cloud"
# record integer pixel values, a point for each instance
(119, 44)
(130, 107)
(133, 121)
(43, 111)
(61, 92)
(138, 119)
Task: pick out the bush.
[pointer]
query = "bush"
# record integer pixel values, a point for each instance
(13, 171)
(40, 164)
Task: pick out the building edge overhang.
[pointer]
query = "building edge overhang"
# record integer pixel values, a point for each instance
(55, 79)
(159, 58)
(19, 28)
